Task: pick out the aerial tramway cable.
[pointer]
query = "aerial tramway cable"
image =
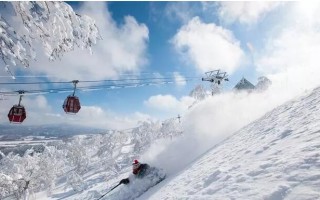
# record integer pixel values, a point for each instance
(92, 87)
(71, 105)
(91, 81)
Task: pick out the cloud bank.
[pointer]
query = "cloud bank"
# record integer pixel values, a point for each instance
(208, 46)
(169, 104)
(246, 12)
(290, 55)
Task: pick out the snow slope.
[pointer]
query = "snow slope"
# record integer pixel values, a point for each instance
(275, 157)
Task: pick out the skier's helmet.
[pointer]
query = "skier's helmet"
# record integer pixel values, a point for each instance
(135, 166)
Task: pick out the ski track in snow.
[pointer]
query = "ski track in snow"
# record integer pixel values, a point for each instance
(276, 157)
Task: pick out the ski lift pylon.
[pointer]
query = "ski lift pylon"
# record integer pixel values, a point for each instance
(17, 113)
(71, 104)
(216, 76)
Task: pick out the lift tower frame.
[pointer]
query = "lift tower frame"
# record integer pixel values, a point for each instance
(216, 77)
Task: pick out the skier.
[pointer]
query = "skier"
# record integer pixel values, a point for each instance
(142, 178)
(139, 170)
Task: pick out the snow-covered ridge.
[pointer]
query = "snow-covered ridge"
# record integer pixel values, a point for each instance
(275, 157)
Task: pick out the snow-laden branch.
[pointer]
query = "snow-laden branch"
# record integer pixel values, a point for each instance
(54, 25)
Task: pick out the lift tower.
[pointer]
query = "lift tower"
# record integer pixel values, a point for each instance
(216, 77)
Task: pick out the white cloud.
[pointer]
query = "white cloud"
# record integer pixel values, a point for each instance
(290, 56)
(209, 46)
(169, 104)
(246, 12)
(122, 49)
(181, 11)
(179, 79)
(94, 116)
(42, 102)
(162, 102)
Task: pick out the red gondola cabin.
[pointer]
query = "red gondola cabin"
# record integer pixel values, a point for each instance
(17, 114)
(71, 105)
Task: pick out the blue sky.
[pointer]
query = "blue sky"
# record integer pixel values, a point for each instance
(246, 39)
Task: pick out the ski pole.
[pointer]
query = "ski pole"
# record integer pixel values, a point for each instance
(109, 190)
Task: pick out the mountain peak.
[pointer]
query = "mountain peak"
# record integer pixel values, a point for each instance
(244, 84)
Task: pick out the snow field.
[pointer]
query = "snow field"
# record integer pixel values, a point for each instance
(275, 157)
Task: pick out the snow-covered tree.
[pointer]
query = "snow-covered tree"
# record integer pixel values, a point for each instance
(171, 128)
(22, 172)
(77, 155)
(149, 131)
(51, 165)
(215, 89)
(198, 93)
(144, 134)
(7, 186)
(106, 151)
(263, 83)
(53, 25)
(21, 175)
(75, 181)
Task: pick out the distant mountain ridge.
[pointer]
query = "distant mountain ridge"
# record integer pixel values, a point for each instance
(13, 132)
